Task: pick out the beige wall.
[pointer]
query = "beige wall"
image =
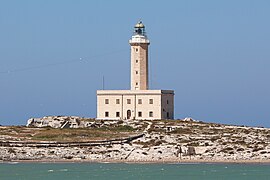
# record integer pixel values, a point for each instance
(159, 103)
(139, 66)
(167, 101)
(112, 107)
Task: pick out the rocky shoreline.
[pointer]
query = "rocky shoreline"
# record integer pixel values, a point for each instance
(163, 141)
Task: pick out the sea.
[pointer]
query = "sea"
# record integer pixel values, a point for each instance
(111, 171)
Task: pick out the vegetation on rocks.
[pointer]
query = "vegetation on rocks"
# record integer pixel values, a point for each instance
(162, 139)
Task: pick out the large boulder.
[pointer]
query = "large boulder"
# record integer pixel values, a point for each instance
(56, 122)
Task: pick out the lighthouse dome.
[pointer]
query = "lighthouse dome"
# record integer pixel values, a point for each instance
(139, 25)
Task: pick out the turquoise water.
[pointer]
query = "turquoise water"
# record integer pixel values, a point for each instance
(112, 171)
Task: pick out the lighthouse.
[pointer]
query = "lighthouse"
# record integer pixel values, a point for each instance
(140, 102)
(139, 58)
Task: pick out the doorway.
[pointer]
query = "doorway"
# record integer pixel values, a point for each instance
(128, 114)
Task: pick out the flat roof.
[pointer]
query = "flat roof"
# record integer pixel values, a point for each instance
(134, 92)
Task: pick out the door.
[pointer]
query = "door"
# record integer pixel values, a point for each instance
(128, 114)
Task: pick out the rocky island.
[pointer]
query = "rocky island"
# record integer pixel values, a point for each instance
(70, 138)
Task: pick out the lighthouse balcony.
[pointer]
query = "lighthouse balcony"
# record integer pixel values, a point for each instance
(139, 39)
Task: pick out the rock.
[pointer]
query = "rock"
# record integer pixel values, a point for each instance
(202, 141)
(68, 157)
(56, 122)
(191, 151)
(30, 122)
(189, 119)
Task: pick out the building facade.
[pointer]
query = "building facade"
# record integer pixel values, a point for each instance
(139, 102)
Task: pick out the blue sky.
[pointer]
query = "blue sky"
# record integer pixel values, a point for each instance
(214, 54)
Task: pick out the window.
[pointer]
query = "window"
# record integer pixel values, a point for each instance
(167, 101)
(168, 115)
(137, 60)
(117, 114)
(136, 83)
(128, 101)
(106, 101)
(137, 72)
(106, 114)
(150, 113)
(139, 101)
(139, 114)
(151, 101)
(117, 101)
(136, 49)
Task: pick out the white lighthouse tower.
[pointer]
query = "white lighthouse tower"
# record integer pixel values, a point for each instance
(139, 58)
(140, 102)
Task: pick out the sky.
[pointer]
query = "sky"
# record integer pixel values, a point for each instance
(214, 54)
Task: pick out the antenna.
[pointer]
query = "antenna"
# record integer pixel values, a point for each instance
(103, 82)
